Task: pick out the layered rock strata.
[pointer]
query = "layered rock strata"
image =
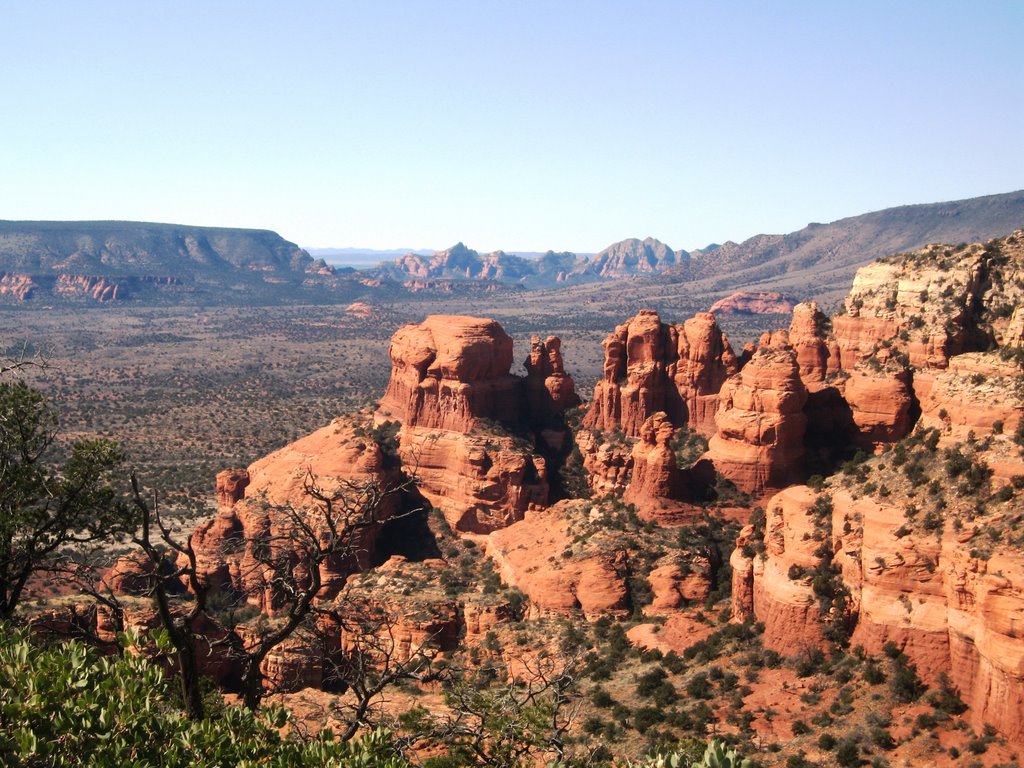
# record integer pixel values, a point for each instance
(448, 372)
(761, 424)
(452, 390)
(651, 366)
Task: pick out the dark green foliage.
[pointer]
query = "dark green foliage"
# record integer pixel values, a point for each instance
(699, 687)
(49, 498)
(645, 717)
(946, 699)
(650, 681)
(848, 754)
(800, 728)
(70, 704)
(385, 435)
(904, 683)
(882, 738)
(873, 674)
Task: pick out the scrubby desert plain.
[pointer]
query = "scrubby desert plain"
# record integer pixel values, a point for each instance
(190, 390)
(843, 588)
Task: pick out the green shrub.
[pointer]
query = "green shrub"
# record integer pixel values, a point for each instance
(118, 710)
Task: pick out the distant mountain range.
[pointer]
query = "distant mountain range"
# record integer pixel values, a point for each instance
(620, 260)
(837, 248)
(108, 260)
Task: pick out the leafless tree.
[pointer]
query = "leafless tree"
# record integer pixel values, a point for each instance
(373, 658)
(180, 625)
(23, 358)
(517, 723)
(294, 571)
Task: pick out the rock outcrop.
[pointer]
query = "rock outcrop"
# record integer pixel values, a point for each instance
(98, 289)
(975, 394)
(808, 335)
(529, 556)
(761, 424)
(259, 506)
(754, 303)
(481, 481)
(608, 462)
(650, 366)
(459, 405)
(448, 372)
(550, 391)
(18, 287)
(655, 472)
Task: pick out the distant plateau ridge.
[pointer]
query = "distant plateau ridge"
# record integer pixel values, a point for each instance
(115, 261)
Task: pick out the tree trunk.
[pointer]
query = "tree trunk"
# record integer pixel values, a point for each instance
(191, 693)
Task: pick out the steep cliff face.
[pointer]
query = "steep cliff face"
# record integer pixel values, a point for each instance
(977, 393)
(920, 545)
(459, 405)
(481, 481)
(759, 444)
(922, 551)
(15, 286)
(651, 366)
(776, 588)
(450, 371)
(98, 289)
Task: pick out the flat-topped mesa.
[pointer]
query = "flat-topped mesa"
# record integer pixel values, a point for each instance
(652, 366)
(450, 371)
(760, 440)
(549, 389)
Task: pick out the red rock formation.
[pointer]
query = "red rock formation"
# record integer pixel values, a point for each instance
(948, 610)
(656, 478)
(705, 361)
(481, 481)
(253, 504)
(880, 404)
(131, 574)
(20, 287)
(449, 383)
(650, 367)
(808, 337)
(549, 389)
(782, 595)
(231, 485)
(609, 463)
(448, 372)
(742, 563)
(88, 286)
(673, 588)
(977, 392)
(761, 424)
(753, 303)
(527, 555)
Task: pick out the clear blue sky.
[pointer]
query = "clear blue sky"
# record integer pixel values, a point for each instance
(518, 125)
